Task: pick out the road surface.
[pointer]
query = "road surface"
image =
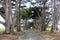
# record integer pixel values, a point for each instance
(31, 35)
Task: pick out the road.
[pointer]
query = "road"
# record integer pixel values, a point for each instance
(31, 35)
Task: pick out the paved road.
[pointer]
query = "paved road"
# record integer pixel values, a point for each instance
(31, 35)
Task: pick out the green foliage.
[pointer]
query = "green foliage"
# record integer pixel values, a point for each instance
(15, 28)
(2, 30)
(36, 12)
(24, 13)
(48, 28)
(2, 10)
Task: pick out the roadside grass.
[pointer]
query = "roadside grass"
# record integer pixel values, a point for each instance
(2, 30)
(15, 29)
(41, 32)
(21, 32)
(48, 31)
(53, 34)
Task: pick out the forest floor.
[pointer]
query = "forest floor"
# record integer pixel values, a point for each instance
(27, 35)
(14, 36)
(46, 35)
(8, 37)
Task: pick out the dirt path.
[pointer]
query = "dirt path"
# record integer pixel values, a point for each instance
(30, 35)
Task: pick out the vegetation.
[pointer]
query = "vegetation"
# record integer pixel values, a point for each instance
(45, 16)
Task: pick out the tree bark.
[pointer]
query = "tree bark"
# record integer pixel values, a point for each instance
(18, 15)
(43, 19)
(7, 13)
(55, 19)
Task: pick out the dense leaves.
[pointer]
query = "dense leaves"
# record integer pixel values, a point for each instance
(2, 10)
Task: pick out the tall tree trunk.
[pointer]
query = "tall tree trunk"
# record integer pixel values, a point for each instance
(26, 26)
(12, 22)
(43, 19)
(35, 24)
(55, 18)
(7, 13)
(18, 15)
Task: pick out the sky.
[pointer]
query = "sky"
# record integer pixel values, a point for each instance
(1, 25)
(27, 3)
(2, 19)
